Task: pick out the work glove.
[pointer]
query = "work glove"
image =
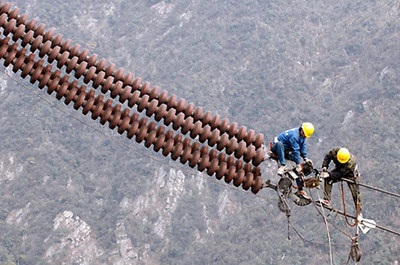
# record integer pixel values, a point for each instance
(324, 175)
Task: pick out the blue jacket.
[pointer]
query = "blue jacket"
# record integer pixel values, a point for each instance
(294, 142)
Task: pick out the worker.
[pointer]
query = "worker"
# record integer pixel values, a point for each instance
(291, 144)
(345, 167)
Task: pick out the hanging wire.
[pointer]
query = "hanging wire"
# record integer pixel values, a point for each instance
(336, 216)
(322, 212)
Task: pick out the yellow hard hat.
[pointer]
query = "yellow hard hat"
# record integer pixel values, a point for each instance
(343, 155)
(308, 129)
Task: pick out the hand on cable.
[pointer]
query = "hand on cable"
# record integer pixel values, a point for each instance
(308, 161)
(324, 169)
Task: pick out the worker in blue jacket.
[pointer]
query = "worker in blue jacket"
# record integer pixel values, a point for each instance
(291, 144)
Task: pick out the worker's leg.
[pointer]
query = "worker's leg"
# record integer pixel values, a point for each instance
(279, 149)
(327, 189)
(355, 193)
(334, 176)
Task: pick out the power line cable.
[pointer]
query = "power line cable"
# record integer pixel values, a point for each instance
(371, 187)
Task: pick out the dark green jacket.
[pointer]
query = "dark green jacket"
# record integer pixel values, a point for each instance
(346, 170)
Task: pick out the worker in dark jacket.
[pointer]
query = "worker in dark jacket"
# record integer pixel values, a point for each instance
(345, 167)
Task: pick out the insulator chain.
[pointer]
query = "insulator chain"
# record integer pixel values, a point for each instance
(235, 142)
(167, 141)
(180, 115)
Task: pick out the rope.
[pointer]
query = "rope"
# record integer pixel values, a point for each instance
(344, 209)
(322, 213)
